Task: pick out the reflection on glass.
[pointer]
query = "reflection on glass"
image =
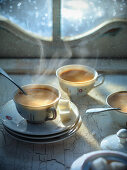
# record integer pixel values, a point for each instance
(82, 15)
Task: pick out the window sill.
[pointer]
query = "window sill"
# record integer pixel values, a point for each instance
(48, 66)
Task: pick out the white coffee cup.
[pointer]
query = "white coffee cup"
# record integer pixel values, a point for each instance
(78, 88)
(37, 113)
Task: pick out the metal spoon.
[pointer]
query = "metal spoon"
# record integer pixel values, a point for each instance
(9, 78)
(98, 110)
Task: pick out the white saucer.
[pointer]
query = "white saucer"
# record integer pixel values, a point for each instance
(42, 136)
(42, 140)
(13, 121)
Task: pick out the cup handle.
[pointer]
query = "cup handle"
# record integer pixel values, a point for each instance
(54, 114)
(99, 80)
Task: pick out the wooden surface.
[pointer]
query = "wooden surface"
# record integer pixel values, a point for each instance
(16, 155)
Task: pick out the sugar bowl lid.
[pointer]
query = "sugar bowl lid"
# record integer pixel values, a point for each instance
(117, 142)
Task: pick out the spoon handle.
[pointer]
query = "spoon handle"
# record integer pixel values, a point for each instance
(98, 110)
(8, 77)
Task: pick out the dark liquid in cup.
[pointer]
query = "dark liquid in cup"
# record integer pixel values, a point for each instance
(36, 97)
(77, 75)
(119, 100)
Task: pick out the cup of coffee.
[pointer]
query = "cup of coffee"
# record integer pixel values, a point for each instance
(40, 103)
(78, 80)
(118, 100)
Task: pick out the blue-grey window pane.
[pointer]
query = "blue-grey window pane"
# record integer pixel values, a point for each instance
(80, 16)
(32, 15)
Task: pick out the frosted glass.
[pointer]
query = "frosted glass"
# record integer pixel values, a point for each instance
(32, 15)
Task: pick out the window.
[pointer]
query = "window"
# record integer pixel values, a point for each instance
(61, 18)
(63, 29)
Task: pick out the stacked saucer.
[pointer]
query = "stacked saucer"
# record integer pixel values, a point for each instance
(48, 132)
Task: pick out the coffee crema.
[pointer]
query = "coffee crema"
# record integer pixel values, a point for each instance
(119, 100)
(77, 75)
(36, 97)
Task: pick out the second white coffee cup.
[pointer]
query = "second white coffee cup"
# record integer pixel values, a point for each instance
(78, 80)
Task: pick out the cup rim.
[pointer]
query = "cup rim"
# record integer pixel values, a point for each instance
(112, 95)
(43, 106)
(79, 65)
